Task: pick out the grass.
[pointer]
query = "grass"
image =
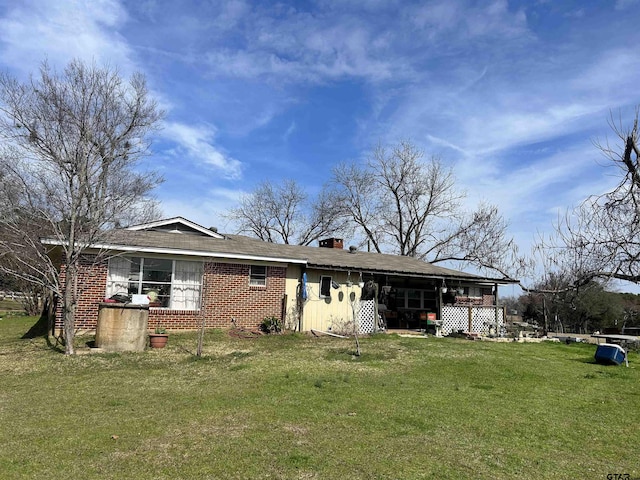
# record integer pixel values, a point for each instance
(10, 307)
(293, 406)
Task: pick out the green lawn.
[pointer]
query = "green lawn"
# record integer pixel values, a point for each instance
(10, 306)
(293, 406)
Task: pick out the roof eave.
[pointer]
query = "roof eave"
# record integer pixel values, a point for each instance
(183, 252)
(398, 273)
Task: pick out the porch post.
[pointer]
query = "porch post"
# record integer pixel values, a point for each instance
(495, 302)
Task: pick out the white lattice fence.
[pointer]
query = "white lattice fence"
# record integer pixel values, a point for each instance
(455, 318)
(367, 317)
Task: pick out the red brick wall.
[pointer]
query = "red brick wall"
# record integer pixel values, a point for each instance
(488, 300)
(485, 300)
(92, 283)
(227, 295)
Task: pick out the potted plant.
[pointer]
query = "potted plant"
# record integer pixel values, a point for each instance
(159, 338)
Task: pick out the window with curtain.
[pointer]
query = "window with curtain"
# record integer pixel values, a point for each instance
(187, 282)
(258, 276)
(118, 277)
(174, 284)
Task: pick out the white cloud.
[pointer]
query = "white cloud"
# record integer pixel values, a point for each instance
(610, 75)
(232, 13)
(496, 130)
(492, 112)
(454, 23)
(532, 193)
(306, 53)
(290, 130)
(197, 142)
(33, 31)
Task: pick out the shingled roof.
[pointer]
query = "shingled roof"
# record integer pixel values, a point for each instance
(196, 242)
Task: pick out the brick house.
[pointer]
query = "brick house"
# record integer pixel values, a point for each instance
(190, 272)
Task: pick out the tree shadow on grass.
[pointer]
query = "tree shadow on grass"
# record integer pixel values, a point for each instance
(38, 329)
(42, 328)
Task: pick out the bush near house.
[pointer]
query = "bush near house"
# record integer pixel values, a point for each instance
(271, 324)
(295, 406)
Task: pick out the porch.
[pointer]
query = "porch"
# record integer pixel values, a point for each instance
(429, 305)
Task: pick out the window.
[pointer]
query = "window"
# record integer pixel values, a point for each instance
(325, 287)
(258, 276)
(473, 292)
(414, 299)
(173, 283)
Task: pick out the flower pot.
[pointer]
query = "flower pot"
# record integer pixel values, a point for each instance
(158, 340)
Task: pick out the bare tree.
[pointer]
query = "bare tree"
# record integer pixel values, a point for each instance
(284, 213)
(22, 256)
(601, 237)
(402, 203)
(71, 142)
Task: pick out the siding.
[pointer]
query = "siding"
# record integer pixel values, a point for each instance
(329, 313)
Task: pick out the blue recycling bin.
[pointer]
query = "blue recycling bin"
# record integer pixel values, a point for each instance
(610, 354)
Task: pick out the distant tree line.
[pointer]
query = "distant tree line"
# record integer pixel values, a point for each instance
(586, 310)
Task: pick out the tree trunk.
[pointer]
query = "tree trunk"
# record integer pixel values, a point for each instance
(203, 326)
(69, 306)
(50, 305)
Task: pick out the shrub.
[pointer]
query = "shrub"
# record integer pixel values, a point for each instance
(341, 326)
(271, 324)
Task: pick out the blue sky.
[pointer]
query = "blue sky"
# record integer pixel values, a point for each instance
(511, 94)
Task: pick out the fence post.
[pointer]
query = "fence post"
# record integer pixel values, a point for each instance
(470, 319)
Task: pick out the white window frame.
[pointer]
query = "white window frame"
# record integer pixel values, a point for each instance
(116, 281)
(257, 279)
(322, 279)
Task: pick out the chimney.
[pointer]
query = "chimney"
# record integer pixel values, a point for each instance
(332, 243)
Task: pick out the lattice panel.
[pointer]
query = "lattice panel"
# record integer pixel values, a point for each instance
(484, 318)
(456, 318)
(367, 317)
